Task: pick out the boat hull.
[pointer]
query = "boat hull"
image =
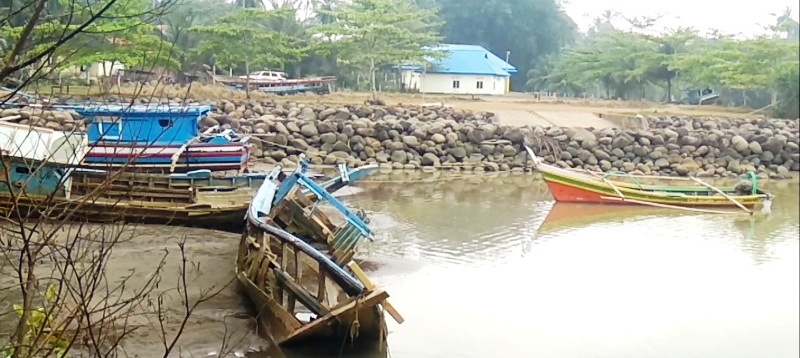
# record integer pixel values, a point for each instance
(104, 210)
(572, 187)
(276, 276)
(273, 320)
(579, 186)
(199, 156)
(41, 189)
(296, 267)
(574, 192)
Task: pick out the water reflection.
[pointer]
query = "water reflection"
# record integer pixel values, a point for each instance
(491, 267)
(755, 233)
(451, 219)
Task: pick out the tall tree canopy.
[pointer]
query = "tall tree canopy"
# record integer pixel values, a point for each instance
(68, 32)
(368, 34)
(362, 41)
(632, 65)
(244, 37)
(529, 29)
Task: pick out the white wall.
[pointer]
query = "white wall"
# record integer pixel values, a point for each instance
(94, 71)
(105, 68)
(44, 144)
(443, 83)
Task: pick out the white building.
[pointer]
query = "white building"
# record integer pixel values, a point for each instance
(466, 69)
(94, 71)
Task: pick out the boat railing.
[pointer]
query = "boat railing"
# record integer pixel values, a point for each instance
(343, 239)
(617, 173)
(292, 247)
(297, 256)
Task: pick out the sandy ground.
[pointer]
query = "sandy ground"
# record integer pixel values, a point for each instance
(511, 109)
(521, 109)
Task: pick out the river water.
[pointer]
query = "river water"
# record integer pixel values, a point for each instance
(490, 266)
(494, 268)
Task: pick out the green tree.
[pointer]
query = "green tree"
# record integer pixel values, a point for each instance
(788, 85)
(672, 44)
(529, 29)
(368, 34)
(127, 36)
(67, 32)
(179, 21)
(744, 66)
(620, 61)
(245, 37)
(623, 63)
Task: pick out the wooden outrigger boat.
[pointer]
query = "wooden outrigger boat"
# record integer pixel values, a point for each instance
(589, 187)
(297, 268)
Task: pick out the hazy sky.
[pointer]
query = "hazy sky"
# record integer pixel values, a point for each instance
(729, 17)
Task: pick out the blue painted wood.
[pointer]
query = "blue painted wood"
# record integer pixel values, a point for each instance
(32, 180)
(323, 194)
(298, 177)
(261, 205)
(285, 187)
(352, 176)
(146, 125)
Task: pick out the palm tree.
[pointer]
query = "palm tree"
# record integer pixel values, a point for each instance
(787, 24)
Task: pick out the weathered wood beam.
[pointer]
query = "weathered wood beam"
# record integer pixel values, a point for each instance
(302, 295)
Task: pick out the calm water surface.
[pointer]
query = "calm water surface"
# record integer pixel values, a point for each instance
(490, 267)
(493, 268)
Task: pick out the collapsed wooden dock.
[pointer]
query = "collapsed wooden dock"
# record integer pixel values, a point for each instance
(296, 265)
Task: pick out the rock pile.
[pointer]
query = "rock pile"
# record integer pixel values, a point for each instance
(415, 137)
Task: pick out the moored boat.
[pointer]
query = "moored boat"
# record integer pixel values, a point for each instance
(297, 266)
(690, 193)
(40, 175)
(159, 139)
(38, 179)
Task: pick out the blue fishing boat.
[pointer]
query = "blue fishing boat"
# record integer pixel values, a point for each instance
(156, 138)
(160, 139)
(297, 267)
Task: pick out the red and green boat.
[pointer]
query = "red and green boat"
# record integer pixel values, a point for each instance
(689, 193)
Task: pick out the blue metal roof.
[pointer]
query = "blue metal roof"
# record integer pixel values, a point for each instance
(467, 60)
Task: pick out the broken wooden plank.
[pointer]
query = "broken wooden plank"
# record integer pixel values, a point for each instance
(359, 273)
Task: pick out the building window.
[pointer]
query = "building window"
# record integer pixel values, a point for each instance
(456, 84)
(479, 85)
